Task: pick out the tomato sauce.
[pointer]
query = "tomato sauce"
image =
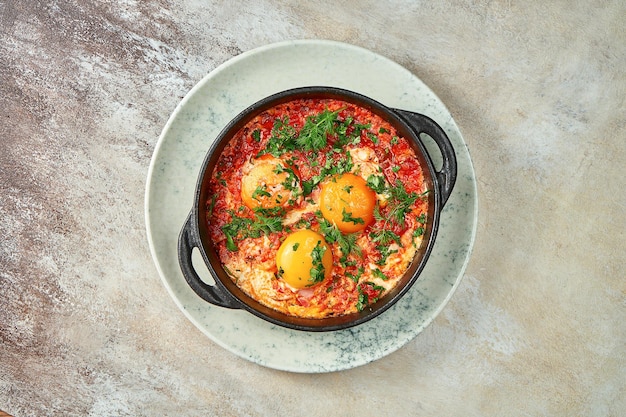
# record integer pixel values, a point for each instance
(346, 138)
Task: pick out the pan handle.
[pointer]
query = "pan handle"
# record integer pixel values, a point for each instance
(446, 177)
(214, 294)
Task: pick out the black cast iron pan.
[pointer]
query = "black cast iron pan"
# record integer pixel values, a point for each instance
(224, 293)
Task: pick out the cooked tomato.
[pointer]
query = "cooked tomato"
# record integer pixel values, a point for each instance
(284, 157)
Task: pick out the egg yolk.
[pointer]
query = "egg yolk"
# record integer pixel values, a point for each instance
(268, 183)
(347, 201)
(304, 259)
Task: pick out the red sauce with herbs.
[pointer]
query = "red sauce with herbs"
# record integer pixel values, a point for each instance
(283, 159)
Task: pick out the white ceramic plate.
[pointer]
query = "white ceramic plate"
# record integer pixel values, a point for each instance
(178, 157)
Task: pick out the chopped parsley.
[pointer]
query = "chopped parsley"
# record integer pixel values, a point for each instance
(347, 217)
(400, 203)
(364, 300)
(355, 277)
(291, 183)
(211, 205)
(373, 138)
(240, 228)
(377, 183)
(332, 167)
(260, 191)
(354, 137)
(314, 136)
(347, 243)
(256, 135)
(283, 138)
(302, 223)
(307, 186)
(318, 270)
(379, 274)
(327, 125)
(419, 230)
(385, 252)
(383, 239)
(401, 200)
(268, 212)
(316, 129)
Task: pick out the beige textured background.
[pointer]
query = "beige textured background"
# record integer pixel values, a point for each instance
(538, 324)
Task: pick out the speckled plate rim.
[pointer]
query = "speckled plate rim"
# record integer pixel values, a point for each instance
(177, 159)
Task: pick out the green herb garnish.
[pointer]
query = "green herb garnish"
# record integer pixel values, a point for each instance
(318, 270)
(401, 202)
(332, 167)
(355, 277)
(283, 138)
(377, 183)
(316, 129)
(347, 217)
(347, 243)
(373, 138)
(240, 228)
(363, 300)
(211, 205)
(419, 230)
(379, 274)
(384, 237)
(260, 191)
(291, 182)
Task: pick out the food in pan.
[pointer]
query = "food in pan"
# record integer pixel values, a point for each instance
(317, 207)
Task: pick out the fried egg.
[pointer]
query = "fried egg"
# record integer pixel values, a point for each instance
(304, 259)
(347, 202)
(268, 182)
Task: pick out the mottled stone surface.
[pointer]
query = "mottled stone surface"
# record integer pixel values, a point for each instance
(537, 325)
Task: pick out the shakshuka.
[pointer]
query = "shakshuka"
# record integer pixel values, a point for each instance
(317, 207)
